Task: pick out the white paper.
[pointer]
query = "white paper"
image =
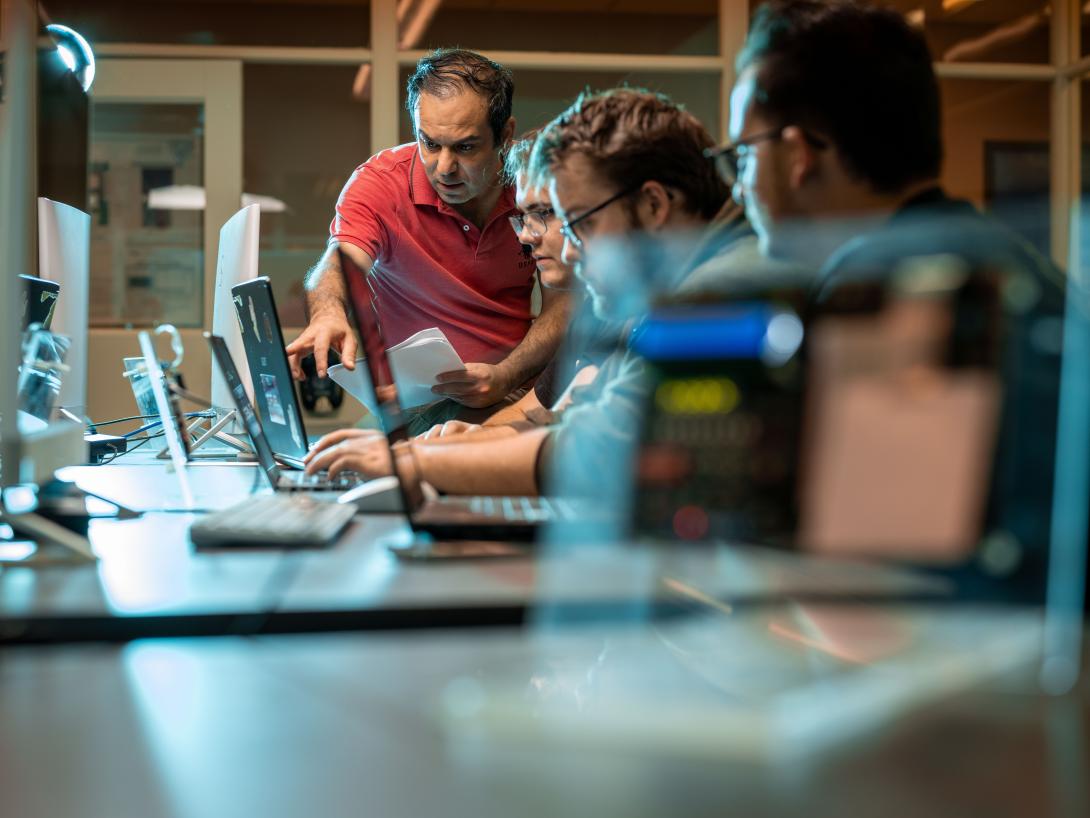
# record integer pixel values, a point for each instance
(415, 362)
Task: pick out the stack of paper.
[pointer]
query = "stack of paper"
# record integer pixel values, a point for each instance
(415, 362)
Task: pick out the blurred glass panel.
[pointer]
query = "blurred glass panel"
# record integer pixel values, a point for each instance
(541, 95)
(1011, 31)
(996, 137)
(329, 23)
(630, 26)
(146, 264)
(302, 161)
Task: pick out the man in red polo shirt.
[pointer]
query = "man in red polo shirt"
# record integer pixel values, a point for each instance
(430, 222)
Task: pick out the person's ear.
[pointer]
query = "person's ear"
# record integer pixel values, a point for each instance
(801, 156)
(655, 205)
(508, 133)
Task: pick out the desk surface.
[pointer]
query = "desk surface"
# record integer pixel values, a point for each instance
(150, 581)
(398, 725)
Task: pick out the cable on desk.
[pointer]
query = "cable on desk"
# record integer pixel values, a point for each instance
(92, 427)
(133, 449)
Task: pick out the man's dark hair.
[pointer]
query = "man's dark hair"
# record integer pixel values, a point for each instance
(857, 75)
(448, 71)
(634, 136)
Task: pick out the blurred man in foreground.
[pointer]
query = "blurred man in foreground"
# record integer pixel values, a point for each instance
(836, 153)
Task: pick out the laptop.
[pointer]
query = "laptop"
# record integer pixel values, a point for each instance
(443, 517)
(278, 479)
(274, 388)
(39, 300)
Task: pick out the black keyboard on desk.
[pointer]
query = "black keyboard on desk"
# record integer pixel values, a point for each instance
(273, 520)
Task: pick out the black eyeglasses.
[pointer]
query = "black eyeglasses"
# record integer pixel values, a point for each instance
(536, 222)
(567, 228)
(730, 159)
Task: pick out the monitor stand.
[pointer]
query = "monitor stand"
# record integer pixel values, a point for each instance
(52, 542)
(40, 535)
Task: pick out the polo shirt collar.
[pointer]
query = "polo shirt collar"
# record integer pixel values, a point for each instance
(420, 190)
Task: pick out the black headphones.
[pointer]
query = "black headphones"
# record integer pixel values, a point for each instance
(312, 388)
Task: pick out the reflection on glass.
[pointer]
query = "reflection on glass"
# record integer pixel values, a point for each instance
(777, 685)
(146, 262)
(41, 372)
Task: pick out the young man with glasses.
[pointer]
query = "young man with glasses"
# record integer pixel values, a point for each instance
(429, 221)
(538, 229)
(836, 154)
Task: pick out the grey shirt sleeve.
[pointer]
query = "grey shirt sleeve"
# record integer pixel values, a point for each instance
(591, 451)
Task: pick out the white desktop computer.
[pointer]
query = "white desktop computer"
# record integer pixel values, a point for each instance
(237, 261)
(64, 242)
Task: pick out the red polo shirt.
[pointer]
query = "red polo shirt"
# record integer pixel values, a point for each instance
(433, 268)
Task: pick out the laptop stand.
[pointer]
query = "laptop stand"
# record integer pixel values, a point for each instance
(213, 432)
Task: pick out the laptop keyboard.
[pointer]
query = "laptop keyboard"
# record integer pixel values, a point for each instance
(321, 480)
(521, 509)
(274, 520)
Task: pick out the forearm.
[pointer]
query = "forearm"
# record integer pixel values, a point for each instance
(482, 433)
(324, 284)
(542, 340)
(507, 466)
(517, 412)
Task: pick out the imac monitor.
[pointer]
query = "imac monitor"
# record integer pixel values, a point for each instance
(235, 263)
(64, 251)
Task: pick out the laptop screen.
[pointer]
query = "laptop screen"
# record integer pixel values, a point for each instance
(264, 451)
(39, 300)
(361, 306)
(274, 389)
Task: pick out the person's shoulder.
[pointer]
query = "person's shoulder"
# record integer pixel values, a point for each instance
(738, 268)
(392, 165)
(385, 174)
(392, 160)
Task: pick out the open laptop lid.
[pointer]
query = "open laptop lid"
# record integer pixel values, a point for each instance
(170, 415)
(361, 309)
(262, 448)
(274, 389)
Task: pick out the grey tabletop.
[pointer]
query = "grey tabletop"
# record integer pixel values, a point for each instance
(683, 718)
(149, 580)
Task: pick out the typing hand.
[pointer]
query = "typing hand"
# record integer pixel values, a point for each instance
(450, 429)
(326, 442)
(326, 329)
(476, 386)
(357, 450)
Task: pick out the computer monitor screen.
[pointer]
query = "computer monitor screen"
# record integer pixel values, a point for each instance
(267, 365)
(39, 301)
